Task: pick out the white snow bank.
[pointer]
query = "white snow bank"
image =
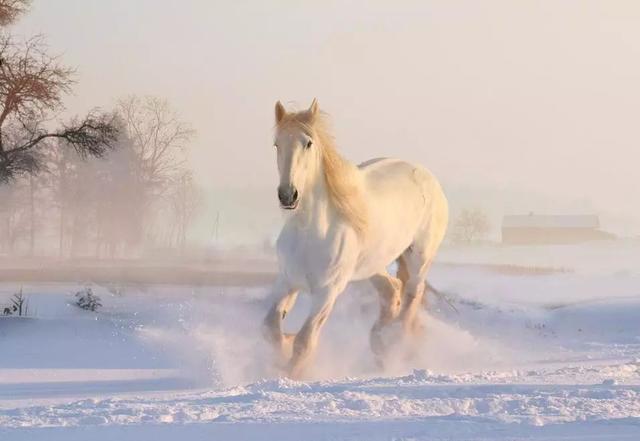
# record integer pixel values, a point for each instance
(548, 357)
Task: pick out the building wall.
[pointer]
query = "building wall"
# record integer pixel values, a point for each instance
(530, 235)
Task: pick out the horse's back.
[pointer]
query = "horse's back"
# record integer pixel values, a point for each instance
(391, 174)
(407, 207)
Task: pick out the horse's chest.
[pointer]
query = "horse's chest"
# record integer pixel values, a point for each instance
(309, 260)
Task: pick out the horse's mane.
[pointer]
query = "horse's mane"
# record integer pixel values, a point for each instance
(342, 178)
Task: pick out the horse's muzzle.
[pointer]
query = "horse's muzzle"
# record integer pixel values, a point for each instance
(288, 197)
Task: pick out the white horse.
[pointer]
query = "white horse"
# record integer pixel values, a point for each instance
(348, 223)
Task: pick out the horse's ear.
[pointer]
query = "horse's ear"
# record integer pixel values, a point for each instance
(280, 112)
(313, 108)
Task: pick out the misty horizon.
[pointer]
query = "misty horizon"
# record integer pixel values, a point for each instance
(516, 108)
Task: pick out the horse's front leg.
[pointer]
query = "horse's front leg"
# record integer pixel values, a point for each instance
(306, 340)
(284, 298)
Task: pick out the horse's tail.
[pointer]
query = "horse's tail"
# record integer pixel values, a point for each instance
(441, 295)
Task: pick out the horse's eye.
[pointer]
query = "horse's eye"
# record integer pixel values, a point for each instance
(309, 143)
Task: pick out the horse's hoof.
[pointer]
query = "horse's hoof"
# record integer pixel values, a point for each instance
(295, 374)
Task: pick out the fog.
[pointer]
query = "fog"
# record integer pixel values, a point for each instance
(141, 292)
(516, 106)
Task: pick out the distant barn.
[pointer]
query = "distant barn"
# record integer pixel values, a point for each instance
(545, 229)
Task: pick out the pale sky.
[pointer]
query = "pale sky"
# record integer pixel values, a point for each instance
(516, 106)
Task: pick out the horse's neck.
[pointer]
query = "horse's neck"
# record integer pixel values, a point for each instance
(315, 211)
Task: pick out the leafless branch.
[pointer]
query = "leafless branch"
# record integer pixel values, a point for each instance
(32, 85)
(92, 136)
(159, 138)
(10, 10)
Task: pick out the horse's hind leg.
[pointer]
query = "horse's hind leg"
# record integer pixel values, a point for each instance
(417, 262)
(390, 291)
(403, 271)
(285, 299)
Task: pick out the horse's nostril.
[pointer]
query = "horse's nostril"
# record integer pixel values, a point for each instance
(287, 195)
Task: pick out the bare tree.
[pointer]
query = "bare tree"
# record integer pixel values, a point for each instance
(470, 225)
(100, 203)
(14, 215)
(185, 199)
(10, 10)
(159, 138)
(61, 175)
(32, 84)
(120, 217)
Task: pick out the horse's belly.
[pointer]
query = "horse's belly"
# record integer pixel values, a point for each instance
(389, 238)
(376, 258)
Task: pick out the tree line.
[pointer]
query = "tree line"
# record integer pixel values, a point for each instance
(104, 184)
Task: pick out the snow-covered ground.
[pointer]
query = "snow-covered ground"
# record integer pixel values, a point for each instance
(524, 355)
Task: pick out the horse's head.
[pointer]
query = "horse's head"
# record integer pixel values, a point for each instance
(298, 158)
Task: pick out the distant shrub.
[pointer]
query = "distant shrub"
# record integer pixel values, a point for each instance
(87, 300)
(470, 226)
(19, 305)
